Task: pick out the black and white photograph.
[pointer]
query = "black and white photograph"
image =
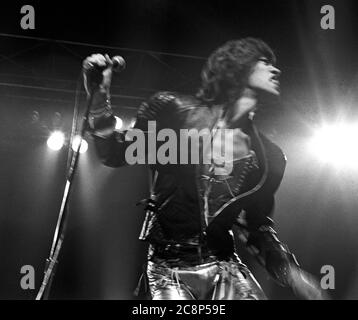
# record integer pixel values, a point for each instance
(179, 150)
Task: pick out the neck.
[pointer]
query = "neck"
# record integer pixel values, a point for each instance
(239, 110)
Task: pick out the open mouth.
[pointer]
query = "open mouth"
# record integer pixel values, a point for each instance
(274, 80)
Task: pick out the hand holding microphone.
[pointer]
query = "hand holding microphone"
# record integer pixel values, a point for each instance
(97, 71)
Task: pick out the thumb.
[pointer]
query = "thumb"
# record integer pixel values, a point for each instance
(108, 60)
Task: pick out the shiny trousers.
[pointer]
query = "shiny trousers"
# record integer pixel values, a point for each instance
(214, 280)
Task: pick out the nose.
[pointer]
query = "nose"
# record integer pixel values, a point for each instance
(276, 71)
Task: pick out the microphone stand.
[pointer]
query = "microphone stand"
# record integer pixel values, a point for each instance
(59, 234)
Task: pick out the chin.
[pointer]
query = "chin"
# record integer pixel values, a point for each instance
(274, 91)
(271, 92)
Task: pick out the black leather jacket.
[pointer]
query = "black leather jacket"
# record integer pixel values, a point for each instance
(178, 193)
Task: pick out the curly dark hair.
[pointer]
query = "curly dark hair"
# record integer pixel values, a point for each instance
(226, 71)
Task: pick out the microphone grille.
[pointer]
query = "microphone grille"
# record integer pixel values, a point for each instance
(118, 63)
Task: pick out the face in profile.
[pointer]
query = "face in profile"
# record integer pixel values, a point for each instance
(264, 77)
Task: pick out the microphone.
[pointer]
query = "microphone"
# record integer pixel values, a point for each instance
(118, 64)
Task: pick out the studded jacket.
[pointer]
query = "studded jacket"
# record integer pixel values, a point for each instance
(190, 204)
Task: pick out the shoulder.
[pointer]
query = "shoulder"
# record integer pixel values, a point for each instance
(158, 102)
(175, 100)
(166, 103)
(163, 97)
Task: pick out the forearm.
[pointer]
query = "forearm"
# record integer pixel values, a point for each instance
(272, 254)
(97, 74)
(110, 145)
(282, 265)
(101, 119)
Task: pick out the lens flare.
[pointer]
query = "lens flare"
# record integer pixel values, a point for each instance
(56, 140)
(131, 125)
(77, 141)
(336, 144)
(119, 123)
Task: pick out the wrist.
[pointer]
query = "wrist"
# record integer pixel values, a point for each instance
(100, 118)
(100, 98)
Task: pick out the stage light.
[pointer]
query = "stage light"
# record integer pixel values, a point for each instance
(132, 124)
(336, 144)
(56, 140)
(76, 141)
(119, 123)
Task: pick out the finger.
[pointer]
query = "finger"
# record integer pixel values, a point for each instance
(98, 59)
(108, 60)
(88, 63)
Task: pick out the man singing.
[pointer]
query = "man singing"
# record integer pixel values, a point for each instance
(196, 212)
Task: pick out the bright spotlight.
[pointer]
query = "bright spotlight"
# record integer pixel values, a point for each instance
(75, 143)
(131, 125)
(56, 140)
(119, 123)
(336, 144)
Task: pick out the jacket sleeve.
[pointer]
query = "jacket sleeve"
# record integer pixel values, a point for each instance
(264, 244)
(280, 263)
(255, 229)
(111, 145)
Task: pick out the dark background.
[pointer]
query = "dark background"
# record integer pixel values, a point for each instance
(164, 44)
